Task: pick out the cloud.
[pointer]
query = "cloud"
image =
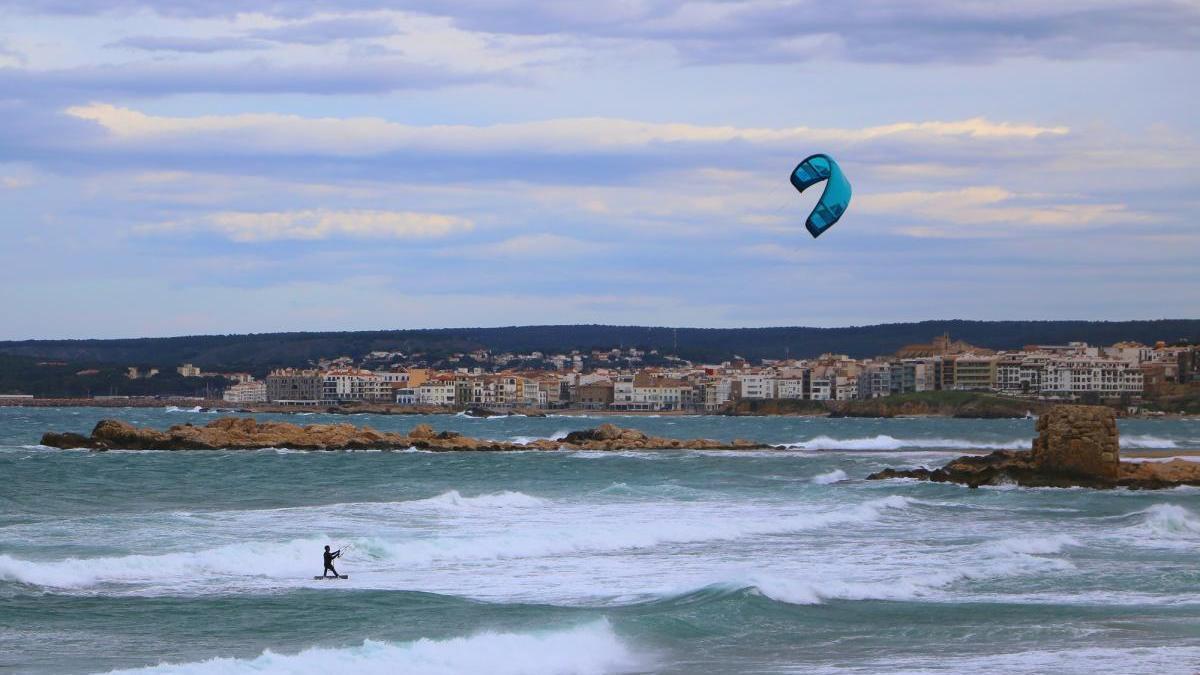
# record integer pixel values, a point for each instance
(774, 253)
(324, 31)
(15, 182)
(989, 211)
(530, 246)
(153, 78)
(187, 44)
(319, 224)
(757, 31)
(292, 134)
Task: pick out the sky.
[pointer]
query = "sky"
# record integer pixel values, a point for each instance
(176, 167)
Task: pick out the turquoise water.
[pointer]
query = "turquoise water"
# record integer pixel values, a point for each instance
(576, 562)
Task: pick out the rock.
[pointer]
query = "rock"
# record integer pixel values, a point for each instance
(422, 431)
(478, 411)
(66, 440)
(244, 433)
(604, 432)
(1078, 440)
(1076, 446)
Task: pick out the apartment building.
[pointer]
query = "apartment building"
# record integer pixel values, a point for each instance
(290, 386)
(1077, 375)
(246, 392)
(354, 384)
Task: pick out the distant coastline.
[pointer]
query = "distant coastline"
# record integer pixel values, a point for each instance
(984, 406)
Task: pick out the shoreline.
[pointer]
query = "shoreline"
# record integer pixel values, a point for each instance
(225, 407)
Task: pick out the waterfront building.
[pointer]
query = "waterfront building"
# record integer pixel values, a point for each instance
(295, 387)
(246, 392)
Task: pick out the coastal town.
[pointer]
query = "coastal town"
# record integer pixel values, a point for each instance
(634, 380)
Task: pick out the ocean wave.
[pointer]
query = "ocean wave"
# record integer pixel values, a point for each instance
(622, 536)
(1171, 520)
(1136, 658)
(885, 442)
(587, 649)
(498, 500)
(1161, 460)
(279, 559)
(1033, 545)
(292, 561)
(629, 454)
(993, 560)
(834, 476)
(526, 440)
(1148, 442)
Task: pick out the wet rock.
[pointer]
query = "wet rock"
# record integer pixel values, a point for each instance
(1078, 440)
(422, 431)
(1076, 446)
(244, 433)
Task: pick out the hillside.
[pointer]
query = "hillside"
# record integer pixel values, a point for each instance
(258, 352)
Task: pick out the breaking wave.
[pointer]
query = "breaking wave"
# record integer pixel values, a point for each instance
(1171, 520)
(525, 440)
(1148, 442)
(995, 559)
(288, 561)
(885, 442)
(499, 500)
(587, 649)
(834, 476)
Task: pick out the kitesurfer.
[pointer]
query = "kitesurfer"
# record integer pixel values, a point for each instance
(329, 556)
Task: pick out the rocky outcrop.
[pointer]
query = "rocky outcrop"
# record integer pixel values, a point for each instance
(1078, 440)
(1076, 446)
(244, 433)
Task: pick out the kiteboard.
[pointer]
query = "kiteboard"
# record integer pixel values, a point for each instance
(344, 576)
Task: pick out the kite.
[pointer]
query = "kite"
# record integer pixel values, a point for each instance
(834, 199)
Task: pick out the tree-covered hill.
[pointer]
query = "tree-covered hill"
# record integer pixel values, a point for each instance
(258, 352)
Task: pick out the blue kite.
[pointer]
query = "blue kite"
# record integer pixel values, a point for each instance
(834, 199)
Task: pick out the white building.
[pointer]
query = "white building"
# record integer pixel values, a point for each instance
(188, 370)
(790, 388)
(246, 392)
(436, 392)
(352, 384)
(757, 385)
(822, 388)
(1076, 375)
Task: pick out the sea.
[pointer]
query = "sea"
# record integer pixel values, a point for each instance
(683, 561)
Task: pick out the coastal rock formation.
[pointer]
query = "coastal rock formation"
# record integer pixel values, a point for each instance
(244, 433)
(1076, 446)
(1078, 440)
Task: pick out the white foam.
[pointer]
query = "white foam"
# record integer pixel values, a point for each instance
(499, 500)
(1033, 545)
(284, 559)
(588, 649)
(1160, 460)
(885, 442)
(834, 476)
(558, 534)
(1092, 660)
(526, 440)
(1145, 441)
(990, 560)
(1171, 521)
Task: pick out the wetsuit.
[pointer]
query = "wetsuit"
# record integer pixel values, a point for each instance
(329, 562)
